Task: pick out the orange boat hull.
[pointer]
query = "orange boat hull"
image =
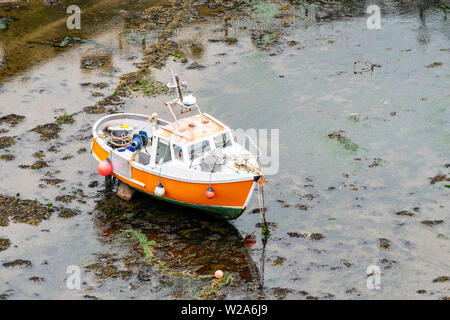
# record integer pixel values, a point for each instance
(230, 198)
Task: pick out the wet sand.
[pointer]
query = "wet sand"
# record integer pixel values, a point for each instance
(362, 180)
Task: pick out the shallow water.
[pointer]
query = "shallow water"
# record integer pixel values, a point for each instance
(396, 115)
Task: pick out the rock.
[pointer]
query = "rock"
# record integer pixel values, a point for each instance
(196, 66)
(317, 236)
(257, 210)
(384, 243)
(435, 64)
(405, 213)
(93, 184)
(431, 223)
(67, 212)
(442, 279)
(36, 279)
(125, 192)
(322, 14)
(439, 178)
(18, 263)
(49, 3)
(422, 291)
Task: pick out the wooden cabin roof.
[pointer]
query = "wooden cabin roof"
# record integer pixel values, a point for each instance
(191, 128)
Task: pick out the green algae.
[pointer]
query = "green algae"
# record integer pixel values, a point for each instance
(214, 290)
(65, 119)
(145, 244)
(264, 11)
(344, 141)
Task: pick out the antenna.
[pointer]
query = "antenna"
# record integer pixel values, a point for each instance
(180, 94)
(176, 83)
(172, 84)
(187, 104)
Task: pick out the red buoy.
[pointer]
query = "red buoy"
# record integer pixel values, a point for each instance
(210, 193)
(249, 241)
(105, 167)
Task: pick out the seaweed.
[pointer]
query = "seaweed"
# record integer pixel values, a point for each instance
(145, 244)
(6, 142)
(346, 142)
(24, 211)
(18, 263)
(4, 244)
(384, 243)
(12, 119)
(47, 131)
(431, 223)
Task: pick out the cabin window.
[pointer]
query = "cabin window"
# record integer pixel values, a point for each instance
(223, 140)
(198, 149)
(177, 152)
(162, 152)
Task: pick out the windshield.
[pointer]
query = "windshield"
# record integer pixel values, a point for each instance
(223, 140)
(162, 152)
(198, 149)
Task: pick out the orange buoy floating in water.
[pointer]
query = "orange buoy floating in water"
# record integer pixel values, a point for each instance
(105, 167)
(210, 193)
(218, 274)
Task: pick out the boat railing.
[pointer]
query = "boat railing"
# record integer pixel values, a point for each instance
(254, 144)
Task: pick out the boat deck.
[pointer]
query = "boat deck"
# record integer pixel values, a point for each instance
(192, 128)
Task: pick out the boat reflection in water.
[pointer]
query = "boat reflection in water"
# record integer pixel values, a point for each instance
(184, 243)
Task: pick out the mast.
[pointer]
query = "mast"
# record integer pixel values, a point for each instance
(186, 105)
(180, 94)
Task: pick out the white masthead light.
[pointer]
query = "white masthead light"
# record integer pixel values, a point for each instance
(189, 101)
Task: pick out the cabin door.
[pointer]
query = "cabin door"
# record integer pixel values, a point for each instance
(163, 153)
(120, 163)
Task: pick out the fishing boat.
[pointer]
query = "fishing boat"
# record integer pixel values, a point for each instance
(192, 161)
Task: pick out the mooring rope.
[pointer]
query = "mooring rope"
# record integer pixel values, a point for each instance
(265, 230)
(119, 142)
(264, 233)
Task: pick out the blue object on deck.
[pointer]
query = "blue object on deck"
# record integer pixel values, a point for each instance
(137, 142)
(144, 137)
